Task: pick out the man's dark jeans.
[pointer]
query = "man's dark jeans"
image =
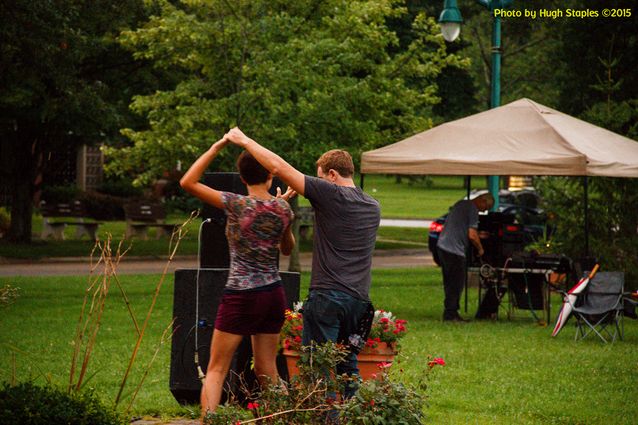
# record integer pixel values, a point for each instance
(330, 315)
(454, 275)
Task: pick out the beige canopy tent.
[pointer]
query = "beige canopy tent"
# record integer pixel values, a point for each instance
(520, 138)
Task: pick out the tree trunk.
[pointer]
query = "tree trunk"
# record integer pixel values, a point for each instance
(23, 165)
(21, 212)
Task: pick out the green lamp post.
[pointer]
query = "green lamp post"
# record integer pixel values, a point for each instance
(450, 21)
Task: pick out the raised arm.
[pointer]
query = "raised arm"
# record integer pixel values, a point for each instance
(190, 180)
(270, 160)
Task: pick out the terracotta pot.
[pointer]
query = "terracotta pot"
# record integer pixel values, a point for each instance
(368, 360)
(292, 357)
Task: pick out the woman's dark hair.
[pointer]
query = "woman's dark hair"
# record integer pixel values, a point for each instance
(251, 170)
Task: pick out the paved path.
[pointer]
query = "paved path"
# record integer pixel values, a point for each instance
(143, 265)
(398, 222)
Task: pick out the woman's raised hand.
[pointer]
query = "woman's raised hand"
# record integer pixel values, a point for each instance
(218, 145)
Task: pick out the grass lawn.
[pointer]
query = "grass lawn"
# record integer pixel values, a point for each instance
(413, 199)
(505, 372)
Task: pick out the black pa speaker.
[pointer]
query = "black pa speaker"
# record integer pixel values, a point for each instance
(214, 245)
(184, 383)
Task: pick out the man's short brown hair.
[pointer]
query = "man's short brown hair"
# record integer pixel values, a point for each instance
(251, 170)
(338, 160)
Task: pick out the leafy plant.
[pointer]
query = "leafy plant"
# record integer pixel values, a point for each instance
(28, 404)
(384, 401)
(312, 397)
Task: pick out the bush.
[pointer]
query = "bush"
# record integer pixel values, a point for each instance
(61, 193)
(28, 404)
(183, 203)
(103, 207)
(120, 188)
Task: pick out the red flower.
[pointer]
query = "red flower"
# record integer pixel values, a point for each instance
(253, 406)
(371, 402)
(436, 361)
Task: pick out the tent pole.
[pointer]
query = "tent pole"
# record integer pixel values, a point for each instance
(586, 204)
(468, 179)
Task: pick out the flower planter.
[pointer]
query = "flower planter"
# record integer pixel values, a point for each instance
(292, 357)
(368, 360)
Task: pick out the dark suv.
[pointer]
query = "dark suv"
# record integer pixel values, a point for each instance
(518, 222)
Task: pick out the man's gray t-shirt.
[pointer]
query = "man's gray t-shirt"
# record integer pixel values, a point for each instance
(345, 227)
(462, 217)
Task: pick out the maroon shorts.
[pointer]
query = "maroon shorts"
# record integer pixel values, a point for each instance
(251, 312)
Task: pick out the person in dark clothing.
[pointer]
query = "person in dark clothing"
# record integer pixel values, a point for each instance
(461, 228)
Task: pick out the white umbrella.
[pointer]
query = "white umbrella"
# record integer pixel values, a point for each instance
(570, 299)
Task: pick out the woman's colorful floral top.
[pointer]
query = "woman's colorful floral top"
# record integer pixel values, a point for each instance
(254, 228)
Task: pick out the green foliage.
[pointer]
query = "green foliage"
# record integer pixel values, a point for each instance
(385, 401)
(103, 207)
(65, 81)
(121, 187)
(28, 404)
(299, 77)
(57, 194)
(227, 414)
(613, 237)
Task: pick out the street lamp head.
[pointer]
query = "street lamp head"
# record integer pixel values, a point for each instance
(450, 20)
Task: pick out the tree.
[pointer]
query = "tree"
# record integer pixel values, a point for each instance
(300, 77)
(64, 81)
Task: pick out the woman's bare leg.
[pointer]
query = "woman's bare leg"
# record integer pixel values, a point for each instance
(222, 348)
(265, 355)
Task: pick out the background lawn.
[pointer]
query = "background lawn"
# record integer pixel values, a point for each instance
(505, 372)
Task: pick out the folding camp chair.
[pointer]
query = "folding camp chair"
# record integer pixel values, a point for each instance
(599, 307)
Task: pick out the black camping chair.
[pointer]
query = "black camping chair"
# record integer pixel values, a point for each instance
(599, 307)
